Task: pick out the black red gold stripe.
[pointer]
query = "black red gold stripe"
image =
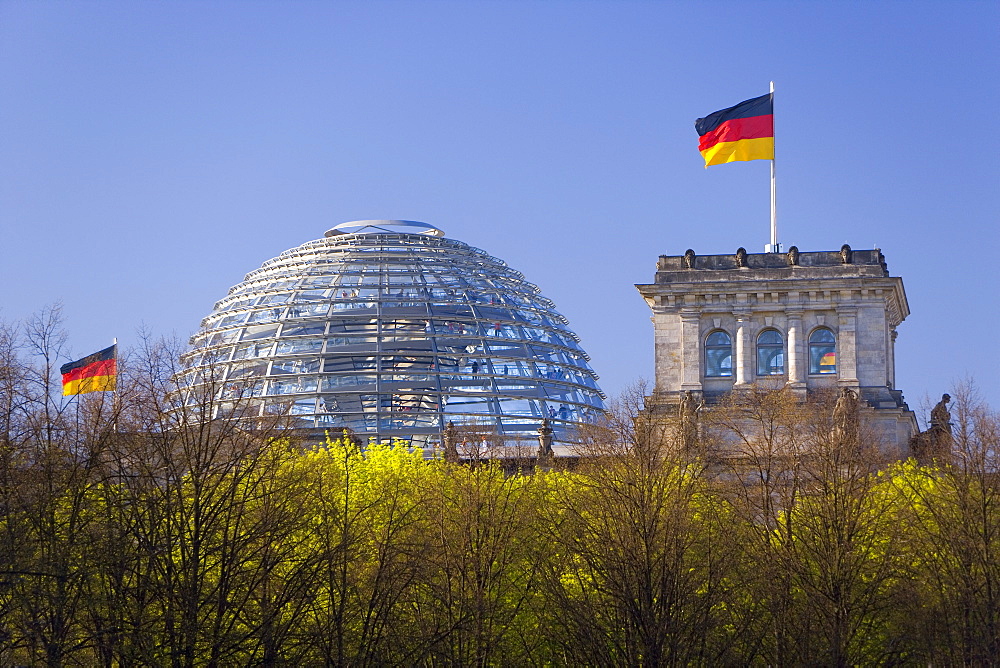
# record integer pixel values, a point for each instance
(93, 373)
(742, 132)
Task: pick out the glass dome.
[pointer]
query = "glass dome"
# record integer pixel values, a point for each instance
(389, 330)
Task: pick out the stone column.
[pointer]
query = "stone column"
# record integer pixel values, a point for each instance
(743, 347)
(847, 346)
(796, 351)
(690, 349)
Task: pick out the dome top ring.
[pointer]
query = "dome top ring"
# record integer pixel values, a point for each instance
(383, 226)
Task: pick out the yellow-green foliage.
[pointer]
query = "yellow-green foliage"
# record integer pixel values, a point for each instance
(339, 554)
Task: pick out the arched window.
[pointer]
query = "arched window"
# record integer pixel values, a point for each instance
(718, 355)
(770, 353)
(822, 351)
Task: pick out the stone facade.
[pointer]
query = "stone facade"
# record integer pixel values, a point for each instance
(806, 321)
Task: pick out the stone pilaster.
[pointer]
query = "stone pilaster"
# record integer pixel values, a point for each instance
(690, 349)
(891, 358)
(847, 346)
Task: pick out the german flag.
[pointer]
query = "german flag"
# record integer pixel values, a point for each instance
(93, 373)
(743, 132)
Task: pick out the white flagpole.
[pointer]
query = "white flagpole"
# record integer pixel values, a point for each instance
(115, 400)
(774, 248)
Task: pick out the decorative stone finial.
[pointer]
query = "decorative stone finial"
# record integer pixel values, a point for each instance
(741, 257)
(793, 256)
(689, 259)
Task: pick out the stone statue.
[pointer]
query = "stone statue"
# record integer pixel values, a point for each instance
(940, 415)
(845, 417)
(688, 414)
(741, 257)
(793, 256)
(688, 406)
(845, 254)
(689, 259)
(450, 444)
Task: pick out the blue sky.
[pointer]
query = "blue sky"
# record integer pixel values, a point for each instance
(153, 153)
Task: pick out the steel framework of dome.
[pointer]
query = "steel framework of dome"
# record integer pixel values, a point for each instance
(389, 330)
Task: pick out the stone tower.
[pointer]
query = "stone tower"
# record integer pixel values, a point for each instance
(806, 321)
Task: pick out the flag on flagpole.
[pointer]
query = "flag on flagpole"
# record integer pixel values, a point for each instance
(742, 132)
(93, 373)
